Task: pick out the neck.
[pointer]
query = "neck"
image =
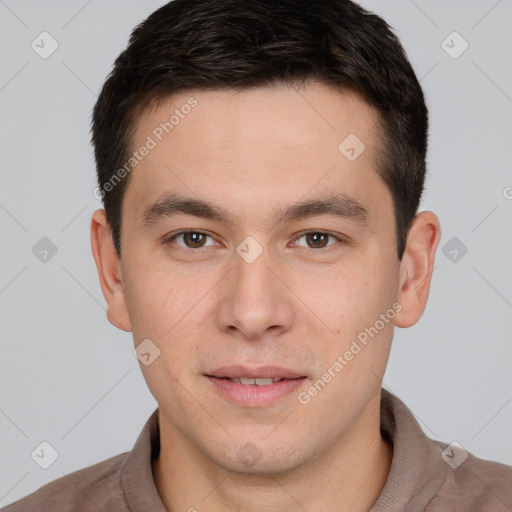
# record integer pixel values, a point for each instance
(349, 477)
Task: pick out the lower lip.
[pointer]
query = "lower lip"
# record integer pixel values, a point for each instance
(254, 395)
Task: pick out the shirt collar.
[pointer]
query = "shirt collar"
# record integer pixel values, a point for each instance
(136, 472)
(417, 469)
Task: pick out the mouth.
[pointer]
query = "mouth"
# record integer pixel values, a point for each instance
(254, 387)
(258, 381)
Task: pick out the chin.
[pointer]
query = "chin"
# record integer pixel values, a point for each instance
(263, 459)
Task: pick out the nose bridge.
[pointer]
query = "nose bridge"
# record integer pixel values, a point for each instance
(253, 279)
(253, 300)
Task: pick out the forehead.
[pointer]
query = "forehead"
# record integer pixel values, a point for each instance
(256, 146)
(258, 115)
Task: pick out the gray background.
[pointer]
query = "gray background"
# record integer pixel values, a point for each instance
(71, 379)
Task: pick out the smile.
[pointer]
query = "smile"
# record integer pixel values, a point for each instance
(255, 387)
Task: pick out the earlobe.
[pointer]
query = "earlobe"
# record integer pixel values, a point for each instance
(109, 271)
(416, 268)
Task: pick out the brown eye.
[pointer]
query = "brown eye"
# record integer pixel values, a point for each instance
(190, 239)
(317, 239)
(194, 239)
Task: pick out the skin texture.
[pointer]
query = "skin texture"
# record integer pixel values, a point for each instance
(298, 305)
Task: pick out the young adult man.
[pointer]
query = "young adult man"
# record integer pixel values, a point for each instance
(261, 165)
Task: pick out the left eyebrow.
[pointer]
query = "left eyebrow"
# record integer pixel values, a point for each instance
(338, 205)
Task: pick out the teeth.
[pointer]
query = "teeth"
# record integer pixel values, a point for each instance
(263, 382)
(257, 382)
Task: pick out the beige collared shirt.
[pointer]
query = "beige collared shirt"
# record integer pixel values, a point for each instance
(426, 475)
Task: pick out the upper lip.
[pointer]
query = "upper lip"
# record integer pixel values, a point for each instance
(265, 372)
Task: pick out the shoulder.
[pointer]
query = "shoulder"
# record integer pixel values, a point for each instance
(93, 488)
(473, 484)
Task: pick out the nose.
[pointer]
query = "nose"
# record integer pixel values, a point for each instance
(255, 302)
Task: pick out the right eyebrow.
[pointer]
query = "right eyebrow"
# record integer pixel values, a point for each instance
(172, 204)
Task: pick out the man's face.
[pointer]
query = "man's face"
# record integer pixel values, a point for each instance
(261, 288)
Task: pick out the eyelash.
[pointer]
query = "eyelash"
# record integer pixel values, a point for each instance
(172, 238)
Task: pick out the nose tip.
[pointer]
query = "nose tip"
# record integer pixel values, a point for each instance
(252, 330)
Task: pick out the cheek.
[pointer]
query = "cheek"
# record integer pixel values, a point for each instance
(342, 295)
(149, 294)
(166, 308)
(350, 299)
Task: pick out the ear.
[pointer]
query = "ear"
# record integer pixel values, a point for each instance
(416, 268)
(109, 271)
